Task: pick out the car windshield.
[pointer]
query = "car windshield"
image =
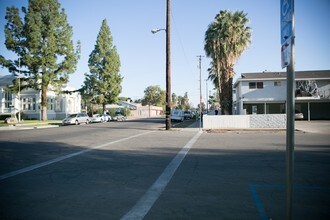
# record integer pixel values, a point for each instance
(72, 116)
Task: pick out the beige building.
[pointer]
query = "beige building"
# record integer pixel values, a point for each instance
(137, 110)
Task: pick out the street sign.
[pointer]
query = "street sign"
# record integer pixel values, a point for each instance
(286, 20)
(286, 53)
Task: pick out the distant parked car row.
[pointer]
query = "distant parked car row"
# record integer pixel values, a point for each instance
(179, 115)
(83, 118)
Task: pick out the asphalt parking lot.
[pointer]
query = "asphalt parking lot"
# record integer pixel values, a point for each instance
(136, 170)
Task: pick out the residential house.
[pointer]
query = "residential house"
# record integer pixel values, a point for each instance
(28, 101)
(265, 93)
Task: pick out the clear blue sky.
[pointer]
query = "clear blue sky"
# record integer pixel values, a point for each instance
(142, 54)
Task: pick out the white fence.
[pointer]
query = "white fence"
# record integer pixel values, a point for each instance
(244, 121)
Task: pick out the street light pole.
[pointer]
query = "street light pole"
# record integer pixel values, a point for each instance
(168, 64)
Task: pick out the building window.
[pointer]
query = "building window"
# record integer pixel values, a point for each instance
(256, 85)
(58, 105)
(260, 85)
(29, 103)
(252, 85)
(8, 100)
(277, 83)
(50, 102)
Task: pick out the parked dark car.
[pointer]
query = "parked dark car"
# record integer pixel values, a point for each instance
(188, 114)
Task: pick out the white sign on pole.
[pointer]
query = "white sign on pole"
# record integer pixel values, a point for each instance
(286, 31)
(286, 53)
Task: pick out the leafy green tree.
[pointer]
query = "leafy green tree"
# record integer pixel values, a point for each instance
(42, 42)
(103, 84)
(225, 40)
(154, 95)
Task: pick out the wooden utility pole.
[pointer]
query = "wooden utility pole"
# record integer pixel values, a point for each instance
(168, 65)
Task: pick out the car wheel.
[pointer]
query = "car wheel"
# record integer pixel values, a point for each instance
(77, 122)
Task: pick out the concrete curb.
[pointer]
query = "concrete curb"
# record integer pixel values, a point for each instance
(27, 127)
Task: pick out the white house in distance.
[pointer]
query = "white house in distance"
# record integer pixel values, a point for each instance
(265, 93)
(58, 107)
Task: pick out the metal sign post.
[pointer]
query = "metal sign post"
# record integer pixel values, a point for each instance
(287, 52)
(200, 92)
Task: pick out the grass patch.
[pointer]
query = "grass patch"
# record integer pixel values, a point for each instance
(35, 122)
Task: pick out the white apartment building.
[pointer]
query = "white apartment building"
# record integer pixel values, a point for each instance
(28, 102)
(265, 93)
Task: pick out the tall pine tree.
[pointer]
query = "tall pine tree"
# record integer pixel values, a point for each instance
(43, 44)
(103, 83)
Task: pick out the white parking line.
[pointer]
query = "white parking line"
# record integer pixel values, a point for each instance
(145, 203)
(46, 163)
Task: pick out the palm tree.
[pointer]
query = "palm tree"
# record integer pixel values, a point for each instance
(225, 40)
(213, 75)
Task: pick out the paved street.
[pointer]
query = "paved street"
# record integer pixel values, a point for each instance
(135, 169)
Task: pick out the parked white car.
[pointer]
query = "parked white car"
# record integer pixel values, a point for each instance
(97, 118)
(107, 117)
(177, 115)
(298, 115)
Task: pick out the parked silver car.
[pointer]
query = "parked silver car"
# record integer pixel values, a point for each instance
(119, 117)
(76, 119)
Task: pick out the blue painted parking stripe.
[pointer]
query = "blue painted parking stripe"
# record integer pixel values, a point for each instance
(258, 203)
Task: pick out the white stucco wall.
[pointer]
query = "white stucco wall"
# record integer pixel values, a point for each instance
(277, 121)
